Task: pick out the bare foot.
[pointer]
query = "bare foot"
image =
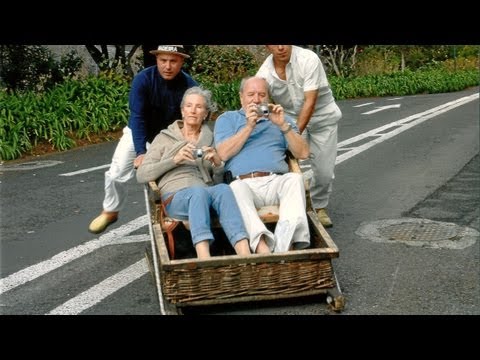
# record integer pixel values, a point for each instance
(242, 247)
(262, 247)
(203, 249)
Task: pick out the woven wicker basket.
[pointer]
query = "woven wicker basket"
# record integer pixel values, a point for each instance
(233, 278)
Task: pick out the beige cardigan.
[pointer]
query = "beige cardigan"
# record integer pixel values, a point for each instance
(158, 162)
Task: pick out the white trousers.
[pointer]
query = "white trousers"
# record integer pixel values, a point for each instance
(323, 153)
(120, 172)
(288, 192)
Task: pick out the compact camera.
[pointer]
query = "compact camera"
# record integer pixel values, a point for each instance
(263, 110)
(197, 153)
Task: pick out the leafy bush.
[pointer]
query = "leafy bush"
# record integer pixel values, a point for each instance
(391, 58)
(404, 83)
(373, 60)
(466, 51)
(225, 95)
(462, 63)
(72, 110)
(418, 57)
(26, 67)
(221, 64)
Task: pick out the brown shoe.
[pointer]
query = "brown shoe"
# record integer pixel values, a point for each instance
(324, 218)
(100, 223)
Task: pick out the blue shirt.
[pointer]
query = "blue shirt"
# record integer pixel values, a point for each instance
(154, 104)
(264, 150)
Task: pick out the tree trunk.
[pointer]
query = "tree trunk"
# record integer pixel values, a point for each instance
(120, 62)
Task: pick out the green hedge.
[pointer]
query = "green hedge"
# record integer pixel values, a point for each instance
(404, 83)
(69, 111)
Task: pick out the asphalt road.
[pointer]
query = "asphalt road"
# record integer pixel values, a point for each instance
(51, 264)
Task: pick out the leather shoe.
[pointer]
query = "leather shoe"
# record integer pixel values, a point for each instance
(100, 223)
(324, 218)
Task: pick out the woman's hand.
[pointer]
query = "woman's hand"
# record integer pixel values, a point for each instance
(209, 153)
(184, 155)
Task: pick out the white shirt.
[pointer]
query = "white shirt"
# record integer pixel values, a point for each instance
(304, 72)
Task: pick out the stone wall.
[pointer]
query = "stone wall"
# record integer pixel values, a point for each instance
(88, 66)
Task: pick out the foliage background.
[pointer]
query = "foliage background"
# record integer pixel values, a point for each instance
(48, 101)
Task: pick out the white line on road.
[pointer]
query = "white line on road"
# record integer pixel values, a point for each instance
(381, 108)
(97, 293)
(365, 104)
(404, 124)
(394, 282)
(85, 170)
(115, 236)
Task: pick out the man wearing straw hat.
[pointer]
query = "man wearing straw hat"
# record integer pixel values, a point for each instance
(154, 102)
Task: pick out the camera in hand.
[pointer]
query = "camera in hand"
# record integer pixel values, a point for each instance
(197, 153)
(263, 110)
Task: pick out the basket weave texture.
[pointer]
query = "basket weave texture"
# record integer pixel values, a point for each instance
(246, 279)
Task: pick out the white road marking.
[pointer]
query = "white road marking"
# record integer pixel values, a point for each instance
(365, 104)
(404, 124)
(381, 108)
(97, 293)
(393, 99)
(31, 165)
(85, 170)
(394, 281)
(115, 236)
